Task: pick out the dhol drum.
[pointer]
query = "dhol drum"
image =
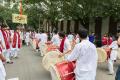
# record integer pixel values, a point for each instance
(102, 55)
(63, 71)
(51, 48)
(51, 58)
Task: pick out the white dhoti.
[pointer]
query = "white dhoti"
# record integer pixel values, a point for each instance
(2, 71)
(42, 48)
(27, 40)
(113, 56)
(15, 52)
(6, 54)
(85, 75)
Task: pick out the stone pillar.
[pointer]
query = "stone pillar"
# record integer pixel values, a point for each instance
(105, 26)
(91, 26)
(59, 25)
(65, 26)
(72, 23)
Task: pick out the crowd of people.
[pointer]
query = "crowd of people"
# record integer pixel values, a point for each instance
(83, 51)
(80, 47)
(10, 44)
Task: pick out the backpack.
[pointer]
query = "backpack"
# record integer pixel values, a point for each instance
(118, 74)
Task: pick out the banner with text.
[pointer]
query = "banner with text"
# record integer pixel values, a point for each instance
(17, 18)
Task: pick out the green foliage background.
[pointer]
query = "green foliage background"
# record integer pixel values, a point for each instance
(55, 10)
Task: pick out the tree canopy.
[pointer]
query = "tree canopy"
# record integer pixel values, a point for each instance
(55, 10)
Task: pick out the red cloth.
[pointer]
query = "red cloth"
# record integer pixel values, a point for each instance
(7, 44)
(109, 41)
(108, 51)
(15, 40)
(66, 70)
(104, 40)
(62, 45)
(8, 35)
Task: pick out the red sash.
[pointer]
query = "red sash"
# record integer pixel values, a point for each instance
(5, 39)
(109, 41)
(15, 40)
(62, 45)
(104, 41)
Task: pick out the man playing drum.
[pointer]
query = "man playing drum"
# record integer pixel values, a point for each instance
(85, 55)
(55, 39)
(65, 46)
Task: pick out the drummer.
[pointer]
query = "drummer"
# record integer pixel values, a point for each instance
(85, 54)
(55, 39)
(113, 55)
(65, 46)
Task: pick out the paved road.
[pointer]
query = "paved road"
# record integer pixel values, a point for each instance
(29, 67)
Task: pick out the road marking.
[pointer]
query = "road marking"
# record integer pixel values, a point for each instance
(14, 79)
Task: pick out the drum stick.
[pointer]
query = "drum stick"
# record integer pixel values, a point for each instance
(68, 74)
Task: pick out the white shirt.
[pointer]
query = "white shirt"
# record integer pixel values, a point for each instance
(70, 37)
(27, 35)
(67, 45)
(56, 40)
(85, 54)
(43, 37)
(77, 40)
(2, 70)
(37, 36)
(114, 47)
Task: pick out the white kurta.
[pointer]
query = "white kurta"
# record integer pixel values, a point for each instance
(2, 70)
(16, 49)
(43, 38)
(56, 40)
(77, 40)
(5, 51)
(67, 45)
(85, 54)
(37, 36)
(27, 37)
(114, 47)
(70, 37)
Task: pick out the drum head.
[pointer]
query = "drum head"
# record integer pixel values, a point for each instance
(51, 58)
(102, 55)
(54, 73)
